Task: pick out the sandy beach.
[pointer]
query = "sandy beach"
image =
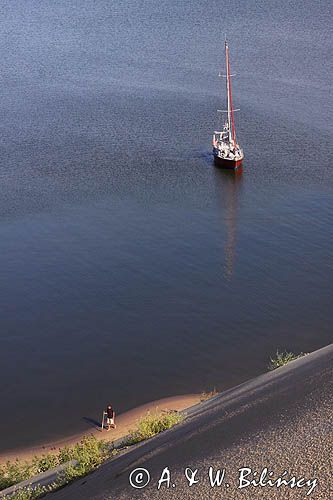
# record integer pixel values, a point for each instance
(126, 422)
(279, 421)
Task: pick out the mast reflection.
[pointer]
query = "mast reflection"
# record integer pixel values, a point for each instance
(228, 187)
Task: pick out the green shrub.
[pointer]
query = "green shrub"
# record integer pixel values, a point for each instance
(282, 358)
(29, 493)
(150, 425)
(45, 462)
(89, 453)
(14, 472)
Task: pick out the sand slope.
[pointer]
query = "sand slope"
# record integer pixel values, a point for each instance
(281, 420)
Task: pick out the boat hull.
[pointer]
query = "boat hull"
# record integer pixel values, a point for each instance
(225, 163)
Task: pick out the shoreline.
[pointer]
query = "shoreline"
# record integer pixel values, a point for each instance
(126, 422)
(277, 420)
(271, 403)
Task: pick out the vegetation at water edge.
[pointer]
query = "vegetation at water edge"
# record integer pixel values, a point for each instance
(282, 358)
(153, 424)
(88, 453)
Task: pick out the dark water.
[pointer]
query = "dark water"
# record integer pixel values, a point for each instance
(130, 268)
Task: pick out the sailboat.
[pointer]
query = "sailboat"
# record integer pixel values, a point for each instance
(227, 152)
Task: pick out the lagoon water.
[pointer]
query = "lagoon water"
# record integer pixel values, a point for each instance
(131, 268)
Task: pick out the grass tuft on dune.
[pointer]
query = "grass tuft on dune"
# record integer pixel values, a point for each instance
(282, 358)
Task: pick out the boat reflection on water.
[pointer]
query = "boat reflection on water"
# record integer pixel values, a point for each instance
(228, 187)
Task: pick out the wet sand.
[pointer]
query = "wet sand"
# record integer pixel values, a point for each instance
(125, 423)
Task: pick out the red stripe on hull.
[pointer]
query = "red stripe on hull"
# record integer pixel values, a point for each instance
(223, 163)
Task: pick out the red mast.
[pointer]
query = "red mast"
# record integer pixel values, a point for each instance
(229, 91)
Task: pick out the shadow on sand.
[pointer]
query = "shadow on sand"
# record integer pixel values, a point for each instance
(93, 423)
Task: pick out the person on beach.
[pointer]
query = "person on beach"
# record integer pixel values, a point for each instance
(110, 417)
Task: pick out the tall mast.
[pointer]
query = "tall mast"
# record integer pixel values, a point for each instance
(228, 87)
(231, 120)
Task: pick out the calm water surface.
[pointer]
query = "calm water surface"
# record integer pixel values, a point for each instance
(130, 268)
